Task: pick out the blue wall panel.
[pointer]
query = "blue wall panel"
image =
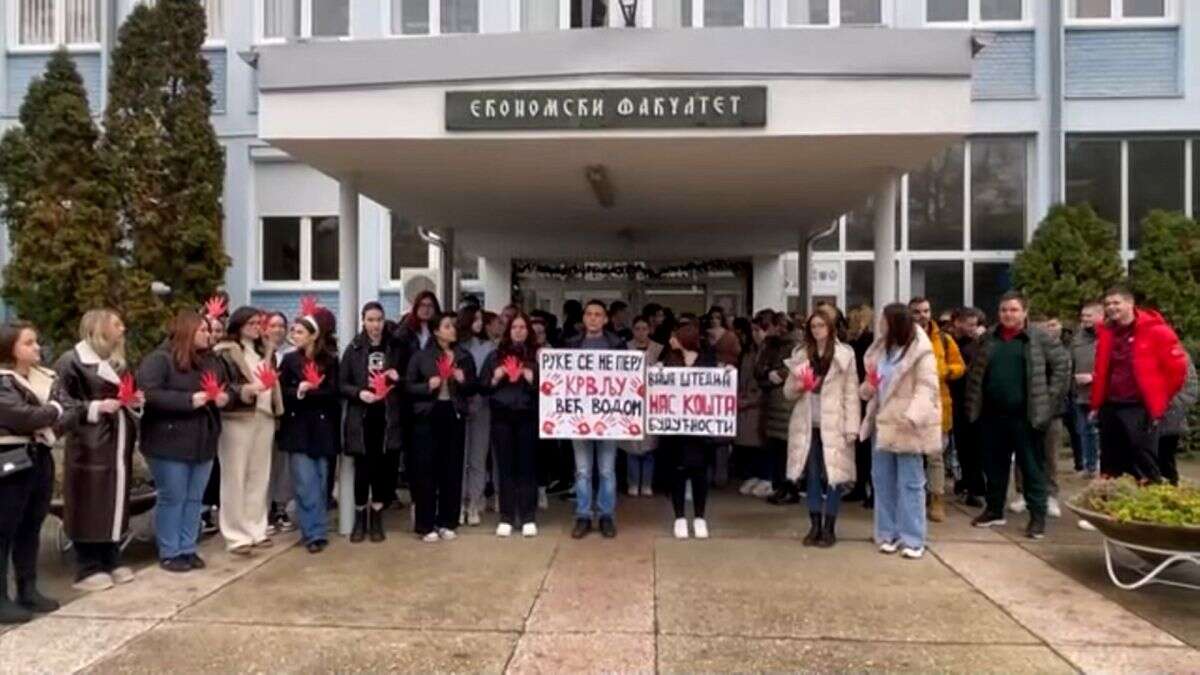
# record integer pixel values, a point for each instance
(23, 68)
(1122, 63)
(288, 302)
(1006, 68)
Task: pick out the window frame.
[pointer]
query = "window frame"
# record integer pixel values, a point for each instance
(698, 13)
(13, 43)
(1117, 18)
(305, 32)
(435, 19)
(975, 18)
(306, 280)
(886, 12)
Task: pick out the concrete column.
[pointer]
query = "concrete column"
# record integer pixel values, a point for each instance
(496, 275)
(447, 280)
(347, 325)
(768, 289)
(885, 245)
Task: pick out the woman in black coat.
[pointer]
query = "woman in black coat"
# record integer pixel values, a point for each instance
(30, 416)
(513, 398)
(439, 409)
(311, 428)
(99, 450)
(688, 457)
(373, 423)
(181, 427)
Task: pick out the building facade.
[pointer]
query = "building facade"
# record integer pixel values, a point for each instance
(974, 116)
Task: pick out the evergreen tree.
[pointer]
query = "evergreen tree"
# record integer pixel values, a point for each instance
(170, 167)
(60, 208)
(1166, 271)
(1072, 259)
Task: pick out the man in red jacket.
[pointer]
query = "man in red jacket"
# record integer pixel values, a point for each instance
(1140, 365)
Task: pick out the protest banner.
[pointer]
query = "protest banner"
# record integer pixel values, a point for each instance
(592, 394)
(691, 401)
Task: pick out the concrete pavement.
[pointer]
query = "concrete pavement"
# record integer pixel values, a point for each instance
(749, 599)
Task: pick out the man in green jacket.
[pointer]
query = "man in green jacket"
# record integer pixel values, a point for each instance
(1017, 379)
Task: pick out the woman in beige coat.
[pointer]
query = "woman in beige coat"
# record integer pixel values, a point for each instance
(904, 413)
(823, 380)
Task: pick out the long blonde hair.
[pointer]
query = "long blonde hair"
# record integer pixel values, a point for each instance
(95, 328)
(859, 321)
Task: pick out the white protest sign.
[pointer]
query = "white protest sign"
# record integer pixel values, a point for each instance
(691, 401)
(592, 394)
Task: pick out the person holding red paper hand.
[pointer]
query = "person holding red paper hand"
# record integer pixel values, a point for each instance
(823, 379)
(440, 380)
(181, 427)
(509, 380)
(368, 377)
(248, 432)
(311, 429)
(98, 459)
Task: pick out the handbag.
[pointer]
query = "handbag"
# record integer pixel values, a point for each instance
(14, 460)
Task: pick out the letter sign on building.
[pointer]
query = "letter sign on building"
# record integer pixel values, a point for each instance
(499, 110)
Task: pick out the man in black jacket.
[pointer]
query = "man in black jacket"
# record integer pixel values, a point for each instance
(967, 322)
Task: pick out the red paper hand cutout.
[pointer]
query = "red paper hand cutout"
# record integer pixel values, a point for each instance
(807, 380)
(312, 375)
(873, 378)
(127, 391)
(267, 375)
(309, 305)
(210, 385)
(215, 307)
(379, 385)
(512, 368)
(445, 366)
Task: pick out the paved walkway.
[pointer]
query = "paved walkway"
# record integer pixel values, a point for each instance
(752, 598)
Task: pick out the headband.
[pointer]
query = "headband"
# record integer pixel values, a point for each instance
(311, 323)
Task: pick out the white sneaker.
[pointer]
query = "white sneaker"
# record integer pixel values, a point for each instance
(763, 490)
(681, 531)
(100, 581)
(647, 491)
(446, 534)
(1017, 505)
(912, 553)
(431, 538)
(889, 547)
(122, 575)
(543, 500)
(748, 486)
(473, 518)
(503, 530)
(633, 491)
(1052, 508)
(529, 530)
(701, 528)
(1086, 526)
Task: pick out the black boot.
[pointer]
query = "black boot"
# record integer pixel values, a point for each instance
(31, 599)
(828, 537)
(376, 525)
(360, 525)
(10, 612)
(814, 533)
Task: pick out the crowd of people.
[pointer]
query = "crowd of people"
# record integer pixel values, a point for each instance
(245, 414)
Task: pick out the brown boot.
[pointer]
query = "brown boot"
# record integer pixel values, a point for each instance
(937, 509)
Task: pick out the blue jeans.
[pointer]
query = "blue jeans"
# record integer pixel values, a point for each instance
(309, 474)
(605, 453)
(640, 469)
(1089, 437)
(899, 481)
(180, 487)
(822, 497)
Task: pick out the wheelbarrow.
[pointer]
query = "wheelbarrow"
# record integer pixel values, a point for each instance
(1158, 548)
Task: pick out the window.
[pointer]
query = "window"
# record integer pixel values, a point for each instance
(51, 23)
(998, 193)
(1110, 11)
(299, 248)
(284, 19)
(439, 17)
(860, 283)
(939, 280)
(832, 242)
(1155, 181)
(935, 203)
(834, 12)
(990, 12)
(408, 249)
(536, 15)
(1094, 176)
(214, 19)
(991, 280)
